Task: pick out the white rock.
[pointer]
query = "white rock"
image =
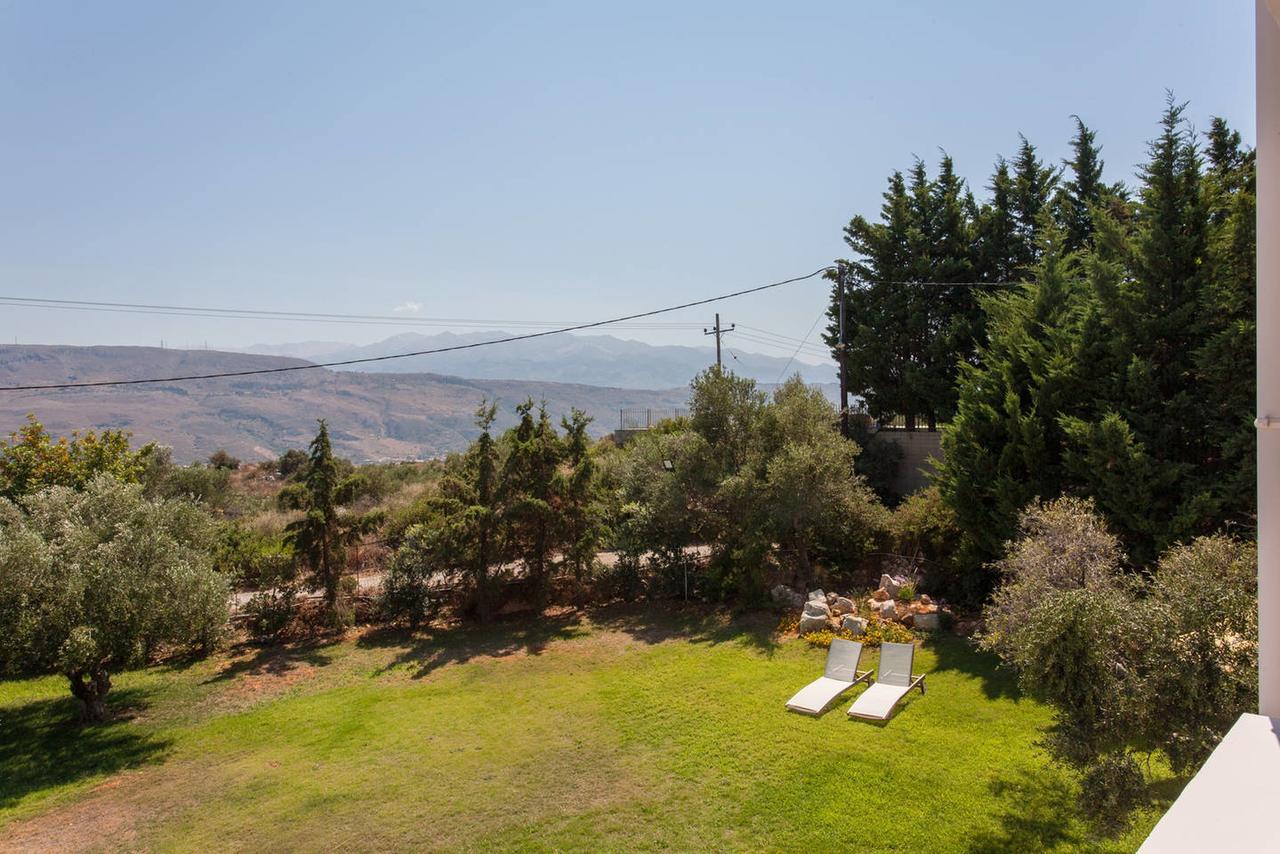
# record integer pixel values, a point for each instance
(817, 608)
(889, 584)
(784, 595)
(817, 594)
(842, 606)
(888, 610)
(928, 622)
(857, 625)
(812, 624)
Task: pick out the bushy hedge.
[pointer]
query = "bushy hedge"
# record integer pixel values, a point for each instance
(1131, 662)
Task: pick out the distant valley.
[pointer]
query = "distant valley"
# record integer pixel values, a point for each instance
(597, 360)
(371, 415)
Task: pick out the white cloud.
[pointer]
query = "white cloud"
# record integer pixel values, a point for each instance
(408, 307)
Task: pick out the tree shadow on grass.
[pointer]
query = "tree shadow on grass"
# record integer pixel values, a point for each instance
(1043, 812)
(531, 635)
(656, 623)
(43, 745)
(277, 660)
(505, 637)
(1040, 813)
(962, 654)
(1162, 793)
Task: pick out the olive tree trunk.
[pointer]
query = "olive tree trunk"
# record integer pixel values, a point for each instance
(90, 687)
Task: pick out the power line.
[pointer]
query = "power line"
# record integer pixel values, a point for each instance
(310, 317)
(382, 319)
(470, 346)
(786, 342)
(807, 349)
(789, 338)
(797, 352)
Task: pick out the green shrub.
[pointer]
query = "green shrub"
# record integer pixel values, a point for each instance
(877, 632)
(406, 585)
(906, 591)
(270, 611)
(924, 526)
(1168, 663)
(248, 558)
(203, 484)
(292, 463)
(33, 460)
(1110, 790)
(879, 461)
(1200, 661)
(623, 580)
(220, 459)
(880, 631)
(344, 610)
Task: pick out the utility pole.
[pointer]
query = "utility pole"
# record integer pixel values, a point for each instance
(717, 331)
(844, 384)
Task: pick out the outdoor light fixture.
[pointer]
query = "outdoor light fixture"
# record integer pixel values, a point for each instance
(667, 465)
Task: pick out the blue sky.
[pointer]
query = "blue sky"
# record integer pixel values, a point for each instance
(563, 162)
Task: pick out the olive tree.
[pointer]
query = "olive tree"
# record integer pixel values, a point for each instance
(802, 483)
(101, 579)
(1130, 661)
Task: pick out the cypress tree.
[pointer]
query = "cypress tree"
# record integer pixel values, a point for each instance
(576, 488)
(481, 541)
(954, 319)
(530, 506)
(1125, 372)
(997, 230)
(1005, 446)
(325, 531)
(1084, 190)
(1138, 452)
(904, 339)
(1033, 187)
(883, 327)
(1225, 361)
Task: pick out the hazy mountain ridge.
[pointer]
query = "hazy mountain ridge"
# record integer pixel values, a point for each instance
(597, 360)
(371, 415)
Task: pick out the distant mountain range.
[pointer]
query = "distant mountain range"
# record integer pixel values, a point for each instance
(371, 416)
(598, 360)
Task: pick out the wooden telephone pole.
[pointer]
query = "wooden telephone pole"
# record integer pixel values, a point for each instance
(717, 331)
(844, 384)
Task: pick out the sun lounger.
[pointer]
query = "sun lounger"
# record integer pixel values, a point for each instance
(892, 683)
(841, 674)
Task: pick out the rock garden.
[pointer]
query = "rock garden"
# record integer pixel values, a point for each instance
(894, 602)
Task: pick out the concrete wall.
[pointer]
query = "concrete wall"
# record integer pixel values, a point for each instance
(917, 447)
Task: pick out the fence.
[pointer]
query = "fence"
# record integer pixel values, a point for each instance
(643, 419)
(899, 422)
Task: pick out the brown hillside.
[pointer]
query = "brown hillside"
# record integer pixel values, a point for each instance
(371, 416)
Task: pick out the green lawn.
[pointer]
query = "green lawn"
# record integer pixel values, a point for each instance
(631, 729)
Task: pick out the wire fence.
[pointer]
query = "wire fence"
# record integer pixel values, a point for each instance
(643, 419)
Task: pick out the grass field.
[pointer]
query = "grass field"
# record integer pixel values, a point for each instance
(628, 729)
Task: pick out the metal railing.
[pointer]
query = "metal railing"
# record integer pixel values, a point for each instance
(899, 422)
(643, 419)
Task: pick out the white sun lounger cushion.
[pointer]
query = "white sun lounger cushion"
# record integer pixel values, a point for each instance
(877, 701)
(893, 681)
(841, 673)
